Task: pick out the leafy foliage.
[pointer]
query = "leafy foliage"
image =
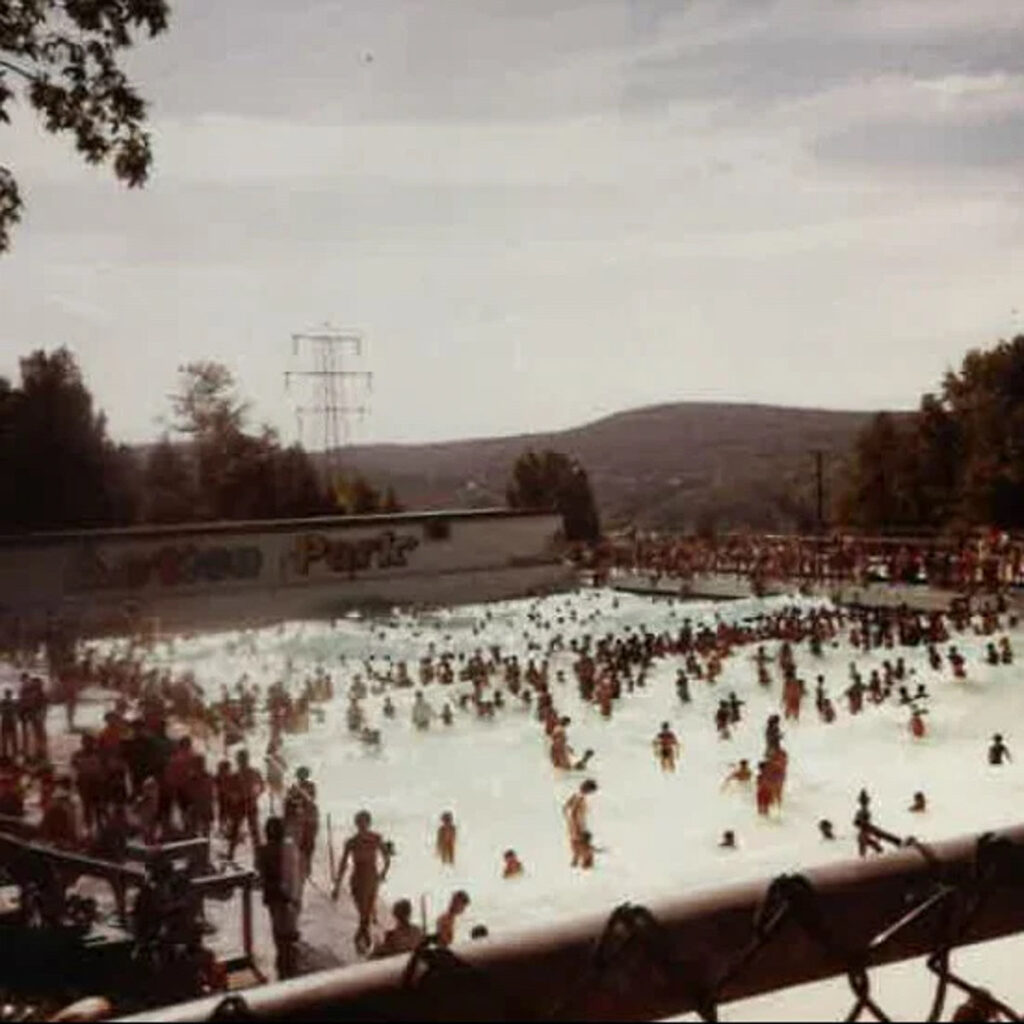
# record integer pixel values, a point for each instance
(58, 468)
(239, 475)
(205, 405)
(553, 480)
(958, 462)
(355, 495)
(297, 490)
(390, 504)
(169, 488)
(66, 54)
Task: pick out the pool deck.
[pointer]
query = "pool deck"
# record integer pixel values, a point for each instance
(732, 587)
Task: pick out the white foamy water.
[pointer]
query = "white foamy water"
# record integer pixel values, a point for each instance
(659, 832)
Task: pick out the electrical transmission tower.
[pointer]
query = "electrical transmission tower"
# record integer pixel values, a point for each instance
(339, 393)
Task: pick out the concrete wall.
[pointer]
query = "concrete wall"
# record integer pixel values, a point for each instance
(728, 586)
(710, 586)
(187, 577)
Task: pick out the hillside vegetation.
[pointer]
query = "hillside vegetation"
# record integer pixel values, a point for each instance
(685, 465)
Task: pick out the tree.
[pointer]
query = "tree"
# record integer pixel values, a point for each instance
(169, 488)
(365, 497)
(208, 410)
(937, 462)
(354, 495)
(958, 461)
(884, 491)
(66, 54)
(986, 401)
(205, 403)
(871, 498)
(123, 479)
(242, 475)
(553, 480)
(58, 467)
(297, 492)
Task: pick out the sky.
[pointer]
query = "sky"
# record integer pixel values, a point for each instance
(539, 212)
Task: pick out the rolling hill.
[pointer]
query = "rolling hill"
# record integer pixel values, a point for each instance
(683, 465)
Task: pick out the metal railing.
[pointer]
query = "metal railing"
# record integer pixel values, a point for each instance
(52, 869)
(690, 953)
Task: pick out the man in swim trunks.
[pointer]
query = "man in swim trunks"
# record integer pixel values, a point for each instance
(363, 849)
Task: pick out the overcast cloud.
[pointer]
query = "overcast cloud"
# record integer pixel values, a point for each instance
(542, 212)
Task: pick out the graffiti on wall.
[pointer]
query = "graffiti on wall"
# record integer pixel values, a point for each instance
(171, 565)
(384, 550)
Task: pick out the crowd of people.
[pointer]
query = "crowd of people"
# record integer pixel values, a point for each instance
(146, 777)
(991, 561)
(609, 668)
(131, 779)
(147, 774)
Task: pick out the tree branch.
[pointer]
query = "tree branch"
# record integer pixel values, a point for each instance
(21, 71)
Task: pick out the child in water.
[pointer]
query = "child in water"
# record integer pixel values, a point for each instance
(446, 922)
(446, 833)
(513, 866)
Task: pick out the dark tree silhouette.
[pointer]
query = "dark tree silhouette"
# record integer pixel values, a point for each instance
(57, 465)
(58, 469)
(297, 490)
(169, 487)
(240, 475)
(354, 495)
(390, 503)
(958, 462)
(208, 412)
(553, 480)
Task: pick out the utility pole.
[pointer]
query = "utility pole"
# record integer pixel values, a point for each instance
(819, 468)
(339, 392)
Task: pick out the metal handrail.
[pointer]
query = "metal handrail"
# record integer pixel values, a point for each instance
(715, 949)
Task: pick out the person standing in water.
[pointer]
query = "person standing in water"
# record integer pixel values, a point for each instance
(666, 748)
(446, 922)
(575, 811)
(281, 876)
(446, 834)
(363, 849)
(998, 750)
(403, 938)
(422, 712)
(302, 817)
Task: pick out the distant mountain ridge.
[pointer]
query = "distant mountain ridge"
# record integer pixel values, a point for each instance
(680, 465)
